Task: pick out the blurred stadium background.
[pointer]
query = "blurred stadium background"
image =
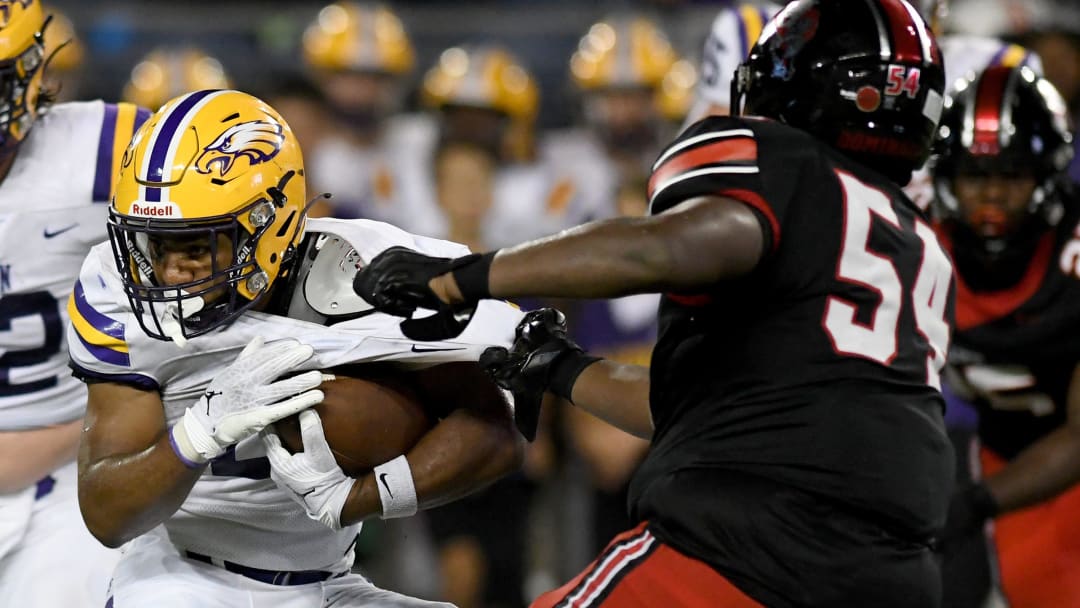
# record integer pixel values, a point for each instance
(533, 531)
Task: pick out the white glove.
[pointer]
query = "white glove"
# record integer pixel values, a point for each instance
(311, 477)
(244, 398)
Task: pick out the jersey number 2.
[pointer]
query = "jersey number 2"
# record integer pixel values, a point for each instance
(18, 352)
(877, 340)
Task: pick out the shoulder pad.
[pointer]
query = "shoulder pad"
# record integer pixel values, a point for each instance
(324, 282)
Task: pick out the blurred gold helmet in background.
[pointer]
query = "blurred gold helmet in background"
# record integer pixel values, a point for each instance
(166, 73)
(622, 52)
(354, 37)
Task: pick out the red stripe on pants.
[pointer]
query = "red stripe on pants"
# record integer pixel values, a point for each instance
(664, 578)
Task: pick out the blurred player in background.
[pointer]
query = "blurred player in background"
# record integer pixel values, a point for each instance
(490, 188)
(57, 164)
(65, 54)
(487, 188)
(1011, 221)
(813, 475)
(733, 33)
(304, 107)
(204, 258)
(165, 73)
(618, 69)
(359, 55)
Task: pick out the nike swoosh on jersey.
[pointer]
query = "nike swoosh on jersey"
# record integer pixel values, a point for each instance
(52, 233)
(418, 349)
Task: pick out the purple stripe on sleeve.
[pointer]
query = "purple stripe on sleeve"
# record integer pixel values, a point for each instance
(107, 355)
(106, 325)
(103, 171)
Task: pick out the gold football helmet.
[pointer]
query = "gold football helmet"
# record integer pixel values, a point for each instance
(485, 78)
(353, 37)
(221, 169)
(22, 53)
(165, 73)
(622, 52)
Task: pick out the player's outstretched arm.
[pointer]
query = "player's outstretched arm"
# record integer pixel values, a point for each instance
(694, 244)
(473, 445)
(130, 479)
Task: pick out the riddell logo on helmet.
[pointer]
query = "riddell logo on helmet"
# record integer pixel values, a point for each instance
(155, 210)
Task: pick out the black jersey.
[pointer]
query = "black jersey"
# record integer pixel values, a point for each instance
(1016, 348)
(817, 372)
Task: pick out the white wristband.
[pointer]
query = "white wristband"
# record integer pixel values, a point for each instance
(396, 489)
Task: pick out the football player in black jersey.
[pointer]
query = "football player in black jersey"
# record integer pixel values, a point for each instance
(798, 452)
(1009, 216)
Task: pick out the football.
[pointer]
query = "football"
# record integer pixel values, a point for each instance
(367, 421)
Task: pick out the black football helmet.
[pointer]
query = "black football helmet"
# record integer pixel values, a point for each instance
(865, 76)
(1006, 122)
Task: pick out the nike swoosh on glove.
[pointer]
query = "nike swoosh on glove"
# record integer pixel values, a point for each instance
(312, 477)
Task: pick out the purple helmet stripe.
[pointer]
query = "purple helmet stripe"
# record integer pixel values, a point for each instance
(155, 169)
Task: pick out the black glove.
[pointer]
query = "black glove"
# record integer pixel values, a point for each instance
(542, 358)
(396, 282)
(971, 506)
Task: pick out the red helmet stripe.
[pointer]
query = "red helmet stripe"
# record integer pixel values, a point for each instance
(907, 33)
(988, 101)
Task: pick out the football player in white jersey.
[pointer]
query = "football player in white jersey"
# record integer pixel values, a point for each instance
(618, 68)
(56, 168)
(734, 30)
(359, 56)
(210, 251)
(479, 182)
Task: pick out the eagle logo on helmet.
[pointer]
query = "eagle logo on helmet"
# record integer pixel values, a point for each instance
(793, 30)
(257, 140)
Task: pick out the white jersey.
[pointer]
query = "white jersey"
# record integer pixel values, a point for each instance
(53, 205)
(733, 33)
(577, 157)
(376, 182)
(234, 511)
